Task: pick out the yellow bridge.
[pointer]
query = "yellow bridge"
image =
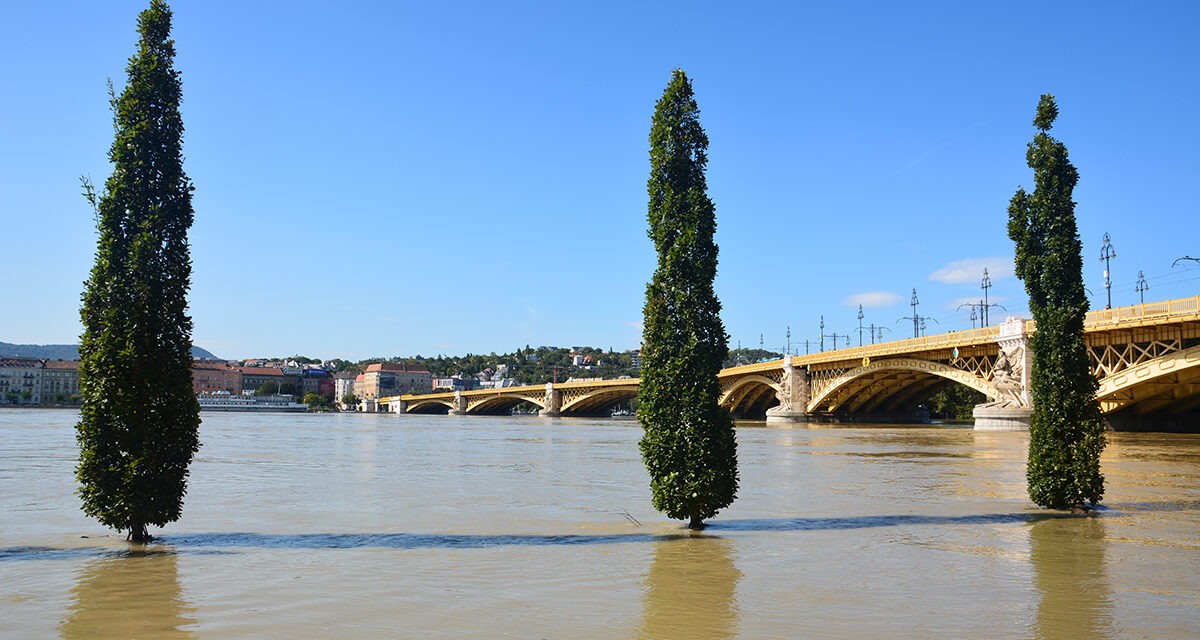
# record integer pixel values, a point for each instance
(1146, 358)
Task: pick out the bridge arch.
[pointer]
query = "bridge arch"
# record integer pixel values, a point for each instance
(878, 380)
(750, 395)
(435, 405)
(1153, 384)
(500, 404)
(598, 401)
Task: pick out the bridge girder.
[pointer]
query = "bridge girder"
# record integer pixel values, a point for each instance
(1152, 384)
(596, 401)
(830, 397)
(499, 403)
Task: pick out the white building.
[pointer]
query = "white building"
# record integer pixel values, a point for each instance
(21, 380)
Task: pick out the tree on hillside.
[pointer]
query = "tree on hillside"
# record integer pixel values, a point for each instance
(139, 426)
(1066, 430)
(689, 445)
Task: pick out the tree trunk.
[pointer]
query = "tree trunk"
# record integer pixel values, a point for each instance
(139, 535)
(696, 524)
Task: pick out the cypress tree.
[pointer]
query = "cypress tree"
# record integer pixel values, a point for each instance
(1066, 430)
(139, 427)
(689, 445)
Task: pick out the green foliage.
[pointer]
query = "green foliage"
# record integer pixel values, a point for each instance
(1066, 431)
(689, 445)
(350, 400)
(317, 400)
(955, 402)
(139, 426)
(745, 355)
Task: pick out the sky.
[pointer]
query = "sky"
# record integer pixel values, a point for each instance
(399, 178)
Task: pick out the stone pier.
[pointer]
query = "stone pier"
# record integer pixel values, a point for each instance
(794, 394)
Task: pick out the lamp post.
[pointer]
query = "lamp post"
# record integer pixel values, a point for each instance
(974, 316)
(915, 318)
(985, 284)
(1107, 253)
(1141, 287)
(860, 319)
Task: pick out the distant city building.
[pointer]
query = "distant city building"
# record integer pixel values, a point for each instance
(343, 385)
(389, 379)
(360, 382)
(209, 376)
(254, 378)
(318, 381)
(456, 383)
(60, 382)
(21, 380)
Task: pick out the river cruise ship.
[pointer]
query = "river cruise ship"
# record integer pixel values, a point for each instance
(224, 401)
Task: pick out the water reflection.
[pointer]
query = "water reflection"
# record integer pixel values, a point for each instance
(1071, 578)
(690, 590)
(131, 595)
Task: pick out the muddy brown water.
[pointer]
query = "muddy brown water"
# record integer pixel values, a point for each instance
(384, 526)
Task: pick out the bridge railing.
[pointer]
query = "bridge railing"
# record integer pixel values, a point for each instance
(1148, 311)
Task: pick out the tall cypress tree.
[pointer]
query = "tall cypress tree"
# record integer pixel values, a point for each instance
(140, 420)
(1066, 430)
(689, 445)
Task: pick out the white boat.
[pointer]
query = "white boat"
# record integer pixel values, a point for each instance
(224, 401)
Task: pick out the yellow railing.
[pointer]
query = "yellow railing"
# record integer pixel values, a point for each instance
(1139, 313)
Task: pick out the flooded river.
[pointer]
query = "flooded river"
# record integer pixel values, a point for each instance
(384, 526)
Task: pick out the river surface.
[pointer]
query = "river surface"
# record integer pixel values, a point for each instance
(385, 526)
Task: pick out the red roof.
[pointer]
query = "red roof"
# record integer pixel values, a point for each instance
(72, 365)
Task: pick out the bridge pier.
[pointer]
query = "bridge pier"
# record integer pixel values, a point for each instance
(794, 394)
(460, 404)
(553, 408)
(993, 418)
(1013, 410)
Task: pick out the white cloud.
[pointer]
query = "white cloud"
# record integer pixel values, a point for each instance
(639, 325)
(872, 299)
(970, 270)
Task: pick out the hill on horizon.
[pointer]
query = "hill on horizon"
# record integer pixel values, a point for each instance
(68, 351)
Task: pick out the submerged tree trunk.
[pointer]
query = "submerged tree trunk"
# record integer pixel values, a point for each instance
(138, 534)
(696, 524)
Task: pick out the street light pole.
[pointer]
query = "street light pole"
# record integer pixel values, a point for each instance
(1107, 253)
(985, 284)
(1141, 287)
(822, 333)
(860, 319)
(916, 319)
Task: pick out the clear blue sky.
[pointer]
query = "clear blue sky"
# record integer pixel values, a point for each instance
(387, 178)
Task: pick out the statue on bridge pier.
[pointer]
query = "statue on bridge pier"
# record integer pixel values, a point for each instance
(1007, 378)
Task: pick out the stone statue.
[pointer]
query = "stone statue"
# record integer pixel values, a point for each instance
(1006, 376)
(785, 390)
